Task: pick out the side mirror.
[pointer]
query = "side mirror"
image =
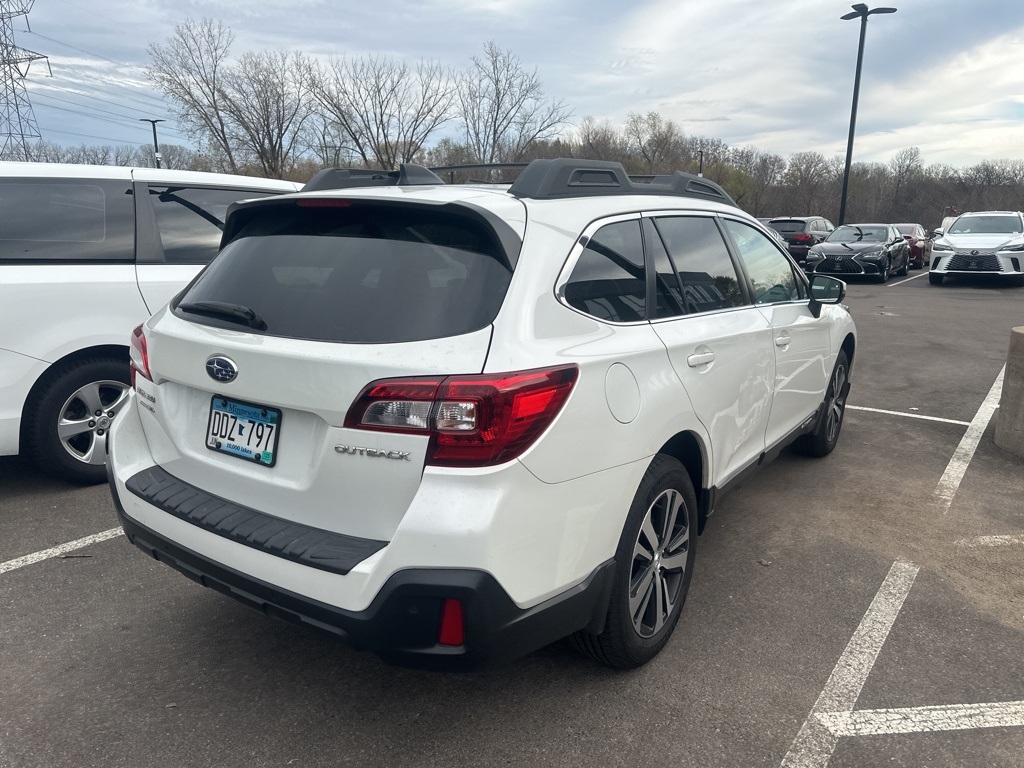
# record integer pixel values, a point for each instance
(937, 233)
(825, 290)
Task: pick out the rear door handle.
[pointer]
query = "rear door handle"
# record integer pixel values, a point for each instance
(704, 358)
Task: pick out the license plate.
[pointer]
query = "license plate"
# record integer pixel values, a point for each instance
(245, 430)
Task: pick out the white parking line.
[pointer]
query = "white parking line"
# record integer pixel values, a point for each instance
(814, 744)
(901, 282)
(949, 717)
(957, 467)
(991, 541)
(909, 415)
(71, 546)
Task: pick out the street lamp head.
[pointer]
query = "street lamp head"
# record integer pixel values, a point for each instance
(860, 11)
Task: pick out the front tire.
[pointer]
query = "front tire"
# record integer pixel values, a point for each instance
(883, 276)
(653, 567)
(822, 441)
(67, 419)
(905, 267)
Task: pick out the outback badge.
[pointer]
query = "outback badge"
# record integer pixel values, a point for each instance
(373, 452)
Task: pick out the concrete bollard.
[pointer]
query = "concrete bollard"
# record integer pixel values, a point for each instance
(1010, 418)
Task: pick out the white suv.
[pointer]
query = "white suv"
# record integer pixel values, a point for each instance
(982, 243)
(86, 254)
(456, 423)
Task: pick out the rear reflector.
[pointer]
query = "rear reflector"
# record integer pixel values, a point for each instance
(474, 420)
(452, 630)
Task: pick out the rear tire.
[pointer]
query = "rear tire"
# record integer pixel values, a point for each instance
(62, 433)
(653, 567)
(822, 441)
(935, 279)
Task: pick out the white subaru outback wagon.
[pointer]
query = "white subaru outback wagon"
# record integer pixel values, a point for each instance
(453, 424)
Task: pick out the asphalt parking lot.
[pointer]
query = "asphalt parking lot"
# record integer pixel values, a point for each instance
(859, 610)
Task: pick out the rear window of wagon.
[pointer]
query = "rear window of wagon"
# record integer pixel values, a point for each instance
(357, 272)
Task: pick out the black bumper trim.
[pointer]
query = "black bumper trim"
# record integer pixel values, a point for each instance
(401, 624)
(325, 550)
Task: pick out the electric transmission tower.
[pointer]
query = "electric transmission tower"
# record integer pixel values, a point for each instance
(17, 121)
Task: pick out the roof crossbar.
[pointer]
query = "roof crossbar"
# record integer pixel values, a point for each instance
(570, 177)
(407, 175)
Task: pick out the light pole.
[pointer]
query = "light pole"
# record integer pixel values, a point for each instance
(859, 11)
(156, 147)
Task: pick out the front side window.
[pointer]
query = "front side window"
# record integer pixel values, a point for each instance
(191, 219)
(609, 281)
(701, 258)
(66, 220)
(769, 271)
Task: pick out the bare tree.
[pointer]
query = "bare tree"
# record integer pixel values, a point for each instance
(502, 107)
(600, 140)
(266, 103)
(658, 142)
(190, 68)
(386, 110)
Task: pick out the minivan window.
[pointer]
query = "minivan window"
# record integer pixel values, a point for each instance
(357, 272)
(66, 220)
(609, 281)
(702, 261)
(191, 219)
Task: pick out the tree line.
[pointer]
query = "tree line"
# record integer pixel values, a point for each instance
(283, 114)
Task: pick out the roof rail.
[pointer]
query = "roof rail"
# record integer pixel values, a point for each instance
(569, 177)
(407, 175)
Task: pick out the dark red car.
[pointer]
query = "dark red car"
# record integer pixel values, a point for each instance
(920, 245)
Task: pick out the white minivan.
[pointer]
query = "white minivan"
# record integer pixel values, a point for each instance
(86, 254)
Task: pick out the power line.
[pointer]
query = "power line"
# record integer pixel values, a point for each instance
(91, 114)
(89, 136)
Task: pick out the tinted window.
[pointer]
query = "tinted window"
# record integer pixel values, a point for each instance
(363, 273)
(191, 220)
(788, 226)
(702, 260)
(668, 291)
(66, 220)
(609, 281)
(769, 271)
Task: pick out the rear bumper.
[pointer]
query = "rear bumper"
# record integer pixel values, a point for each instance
(402, 623)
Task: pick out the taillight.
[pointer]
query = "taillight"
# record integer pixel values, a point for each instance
(138, 352)
(802, 238)
(473, 421)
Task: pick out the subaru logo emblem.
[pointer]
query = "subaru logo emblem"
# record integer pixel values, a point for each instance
(221, 369)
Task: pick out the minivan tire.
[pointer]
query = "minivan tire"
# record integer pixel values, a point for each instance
(629, 640)
(63, 395)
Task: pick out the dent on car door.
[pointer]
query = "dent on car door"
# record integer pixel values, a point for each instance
(800, 341)
(718, 342)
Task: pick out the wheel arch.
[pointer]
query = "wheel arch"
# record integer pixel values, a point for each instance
(687, 448)
(849, 346)
(110, 351)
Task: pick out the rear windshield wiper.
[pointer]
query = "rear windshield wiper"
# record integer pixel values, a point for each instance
(234, 312)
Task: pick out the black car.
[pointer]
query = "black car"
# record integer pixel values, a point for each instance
(801, 232)
(878, 250)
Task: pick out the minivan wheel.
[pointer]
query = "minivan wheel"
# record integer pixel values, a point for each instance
(67, 420)
(822, 441)
(653, 567)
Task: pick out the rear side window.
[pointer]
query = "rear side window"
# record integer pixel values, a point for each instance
(706, 272)
(356, 273)
(191, 219)
(609, 281)
(66, 220)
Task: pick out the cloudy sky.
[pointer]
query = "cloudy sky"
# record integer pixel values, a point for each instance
(945, 76)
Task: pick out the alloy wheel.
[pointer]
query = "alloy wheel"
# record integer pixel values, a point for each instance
(87, 416)
(836, 404)
(660, 557)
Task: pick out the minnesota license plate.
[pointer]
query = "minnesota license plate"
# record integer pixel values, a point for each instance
(245, 430)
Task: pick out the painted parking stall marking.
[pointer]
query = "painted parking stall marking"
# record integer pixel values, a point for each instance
(63, 549)
(992, 541)
(950, 717)
(908, 415)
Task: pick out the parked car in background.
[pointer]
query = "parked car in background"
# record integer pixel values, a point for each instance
(982, 243)
(774, 233)
(453, 424)
(947, 222)
(877, 250)
(801, 232)
(920, 244)
(86, 254)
